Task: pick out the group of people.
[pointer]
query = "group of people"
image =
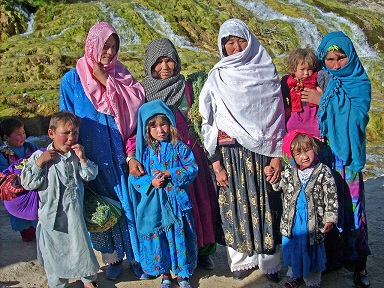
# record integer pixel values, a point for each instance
(130, 142)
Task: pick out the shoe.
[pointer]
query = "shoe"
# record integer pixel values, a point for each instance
(239, 275)
(183, 282)
(28, 235)
(206, 262)
(361, 280)
(113, 271)
(273, 277)
(138, 271)
(166, 283)
(293, 282)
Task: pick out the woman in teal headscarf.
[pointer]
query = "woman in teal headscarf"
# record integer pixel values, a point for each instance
(343, 117)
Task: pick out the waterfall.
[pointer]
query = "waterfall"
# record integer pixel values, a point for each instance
(162, 27)
(306, 31)
(127, 34)
(62, 32)
(26, 15)
(333, 22)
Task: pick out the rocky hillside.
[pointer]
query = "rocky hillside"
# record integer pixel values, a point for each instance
(41, 40)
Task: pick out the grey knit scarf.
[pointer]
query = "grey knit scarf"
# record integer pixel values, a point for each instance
(170, 90)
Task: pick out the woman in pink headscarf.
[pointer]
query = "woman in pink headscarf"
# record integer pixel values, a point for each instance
(103, 93)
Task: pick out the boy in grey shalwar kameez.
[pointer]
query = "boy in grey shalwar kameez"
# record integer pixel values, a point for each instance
(63, 244)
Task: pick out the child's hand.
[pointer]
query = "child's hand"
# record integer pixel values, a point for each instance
(158, 182)
(79, 151)
(328, 227)
(275, 170)
(159, 174)
(47, 156)
(269, 171)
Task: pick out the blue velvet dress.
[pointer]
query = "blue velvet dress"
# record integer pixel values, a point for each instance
(103, 145)
(297, 253)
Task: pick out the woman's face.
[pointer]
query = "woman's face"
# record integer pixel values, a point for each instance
(235, 45)
(164, 67)
(109, 50)
(335, 60)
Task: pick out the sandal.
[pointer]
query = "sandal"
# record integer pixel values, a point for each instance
(166, 282)
(293, 282)
(183, 282)
(361, 280)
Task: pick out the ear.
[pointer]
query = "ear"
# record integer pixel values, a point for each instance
(6, 137)
(51, 134)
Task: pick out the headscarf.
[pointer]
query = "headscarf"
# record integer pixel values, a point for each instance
(344, 106)
(170, 90)
(242, 97)
(147, 111)
(286, 148)
(123, 95)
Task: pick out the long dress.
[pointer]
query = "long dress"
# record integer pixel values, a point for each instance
(168, 243)
(103, 144)
(202, 191)
(18, 224)
(297, 253)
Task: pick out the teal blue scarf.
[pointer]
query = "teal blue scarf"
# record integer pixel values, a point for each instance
(153, 213)
(344, 106)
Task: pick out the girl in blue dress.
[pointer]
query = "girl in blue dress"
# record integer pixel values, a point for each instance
(167, 238)
(309, 209)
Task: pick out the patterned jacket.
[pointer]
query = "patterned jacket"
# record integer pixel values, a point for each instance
(321, 195)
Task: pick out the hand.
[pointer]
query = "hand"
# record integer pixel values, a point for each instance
(311, 95)
(269, 171)
(159, 174)
(275, 169)
(79, 151)
(135, 168)
(47, 156)
(158, 181)
(328, 227)
(220, 174)
(99, 73)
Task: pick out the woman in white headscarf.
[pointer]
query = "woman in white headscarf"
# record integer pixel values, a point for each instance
(243, 127)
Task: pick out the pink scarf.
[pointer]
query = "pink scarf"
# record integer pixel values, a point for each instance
(123, 95)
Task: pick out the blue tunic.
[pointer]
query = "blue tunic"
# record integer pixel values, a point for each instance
(103, 145)
(168, 240)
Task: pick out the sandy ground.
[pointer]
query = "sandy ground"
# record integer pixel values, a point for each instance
(19, 267)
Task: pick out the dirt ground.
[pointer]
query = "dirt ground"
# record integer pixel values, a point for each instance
(19, 267)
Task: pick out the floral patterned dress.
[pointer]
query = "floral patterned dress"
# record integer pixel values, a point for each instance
(167, 237)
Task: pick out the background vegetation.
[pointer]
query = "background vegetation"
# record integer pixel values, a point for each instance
(32, 65)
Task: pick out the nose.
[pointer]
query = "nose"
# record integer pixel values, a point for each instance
(237, 47)
(337, 65)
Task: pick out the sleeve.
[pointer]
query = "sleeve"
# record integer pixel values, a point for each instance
(88, 171)
(66, 93)
(330, 196)
(142, 184)
(3, 163)
(184, 175)
(32, 176)
(130, 144)
(323, 79)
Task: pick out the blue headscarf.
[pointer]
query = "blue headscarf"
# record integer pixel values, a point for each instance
(343, 108)
(147, 111)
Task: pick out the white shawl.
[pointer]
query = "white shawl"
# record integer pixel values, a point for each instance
(242, 97)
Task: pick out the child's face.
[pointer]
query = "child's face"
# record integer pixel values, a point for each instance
(303, 71)
(164, 67)
(17, 137)
(160, 130)
(305, 157)
(64, 137)
(335, 60)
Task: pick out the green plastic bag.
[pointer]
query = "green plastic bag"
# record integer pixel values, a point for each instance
(101, 213)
